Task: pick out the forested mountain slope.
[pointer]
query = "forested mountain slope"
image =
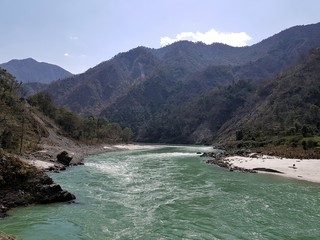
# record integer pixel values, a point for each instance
(284, 110)
(89, 92)
(106, 86)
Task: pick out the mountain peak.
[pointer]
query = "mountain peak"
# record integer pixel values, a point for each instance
(30, 70)
(29, 60)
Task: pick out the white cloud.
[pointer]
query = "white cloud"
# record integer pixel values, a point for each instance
(212, 36)
(75, 56)
(73, 38)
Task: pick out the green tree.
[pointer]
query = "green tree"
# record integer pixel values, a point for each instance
(44, 102)
(127, 135)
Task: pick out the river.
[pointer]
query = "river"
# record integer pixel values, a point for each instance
(170, 193)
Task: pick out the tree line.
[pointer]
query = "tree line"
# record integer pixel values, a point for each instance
(87, 129)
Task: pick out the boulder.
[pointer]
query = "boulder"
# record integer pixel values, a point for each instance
(3, 211)
(64, 157)
(54, 193)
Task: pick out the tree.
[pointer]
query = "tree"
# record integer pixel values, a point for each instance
(44, 102)
(69, 122)
(127, 135)
(239, 135)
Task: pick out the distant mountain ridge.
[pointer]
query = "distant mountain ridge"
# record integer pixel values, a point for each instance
(137, 87)
(29, 70)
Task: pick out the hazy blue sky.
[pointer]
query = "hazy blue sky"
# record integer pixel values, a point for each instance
(78, 34)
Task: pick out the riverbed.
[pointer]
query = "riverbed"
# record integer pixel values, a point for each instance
(170, 193)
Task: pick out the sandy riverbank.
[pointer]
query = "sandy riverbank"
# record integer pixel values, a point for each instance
(302, 169)
(46, 158)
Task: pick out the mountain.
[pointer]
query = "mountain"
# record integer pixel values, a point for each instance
(283, 110)
(91, 91)
(29, 70)
(144, 88)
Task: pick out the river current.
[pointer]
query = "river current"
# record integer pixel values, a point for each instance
(170, 193)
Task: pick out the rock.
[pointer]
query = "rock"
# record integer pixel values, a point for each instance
(68, 196)
(267, 170)
(210, 154)
(219, 147)
(3, 211)
(64, 157)
(224, 163)
(253, 155)
(3, 159)
(51, 168)
(3, 215)
(31, 186)
(54, 193)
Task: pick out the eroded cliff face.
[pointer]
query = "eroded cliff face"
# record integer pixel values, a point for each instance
(22, 184)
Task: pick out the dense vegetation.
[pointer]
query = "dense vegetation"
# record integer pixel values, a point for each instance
(284, 110)
(198, 121)
(85, 129)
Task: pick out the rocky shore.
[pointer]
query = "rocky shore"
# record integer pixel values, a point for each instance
(223, 159)
(23, 180)
(220, 159)
(248, 162)
(22, 184)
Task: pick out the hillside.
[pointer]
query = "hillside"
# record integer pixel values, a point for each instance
(29, 70)
(135, 87)
(283, 110)
(26, 124)
(89, 92)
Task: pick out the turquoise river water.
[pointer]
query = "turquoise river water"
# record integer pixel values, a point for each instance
(170, 193)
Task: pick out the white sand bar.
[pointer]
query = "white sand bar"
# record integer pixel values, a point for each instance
(302, 169)
(41, 164)
(135, 147)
